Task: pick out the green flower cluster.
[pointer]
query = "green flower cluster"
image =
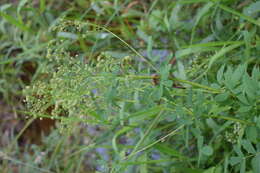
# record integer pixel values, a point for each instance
(72, 85)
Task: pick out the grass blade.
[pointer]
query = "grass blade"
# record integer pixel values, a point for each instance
(230, 10)
(15, 22)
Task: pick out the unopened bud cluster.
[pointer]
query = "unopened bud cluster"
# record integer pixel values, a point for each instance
(232, 136)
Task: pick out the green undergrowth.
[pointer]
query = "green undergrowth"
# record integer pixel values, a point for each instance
(172, 86)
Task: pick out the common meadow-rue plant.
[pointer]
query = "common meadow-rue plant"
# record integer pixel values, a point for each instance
(197, 114)
(73, 87)
(121, 94)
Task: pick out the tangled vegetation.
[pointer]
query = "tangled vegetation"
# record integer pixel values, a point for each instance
(167, 86)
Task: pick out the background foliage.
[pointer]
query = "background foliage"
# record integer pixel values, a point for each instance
(130, 86)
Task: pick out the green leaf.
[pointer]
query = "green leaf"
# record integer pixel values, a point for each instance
(164, 72)
(220, 74)
(243, 98)
(68, 35)
(15, 22)
(252, 9)
(157, 93)
(221, 53)
(222, 97)
(166, 22)
(181, 71)
(184, 52)
(207, 150)
(230, 10)
(248, 40)
(228, 74)
(203, 11)
(42, 5)
(212, 124)
(180, 169)
(258, 122)
(219, 169)
(250, 87)
(5, 7)
(174, 18)
(117, 134)
(169, 151)
(215, 109)
(148, 112)
(200, 141)
(20, 6)
(131, 13)
(237, 149)
(150, 47)
(142, 35)
(226, 163)
(252, 134)
(143, 167)
(255, 73)
(244, 109)
(191, 1)
(235, 160)
(243, 166)
(93, 114)
(168, 83)
(213, 170)
(248, 146)
(256, 164)
(237, 74)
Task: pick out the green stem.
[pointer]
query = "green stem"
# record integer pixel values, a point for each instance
(196, 85)
(156, 120)
(181, 81)
(130, 47)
